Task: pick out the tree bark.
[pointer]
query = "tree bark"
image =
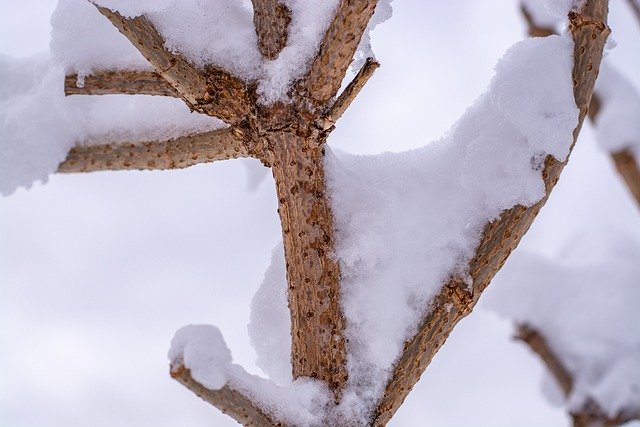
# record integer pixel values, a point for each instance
(271, 20)
(175, 153)
(120, 82)
(313, 275)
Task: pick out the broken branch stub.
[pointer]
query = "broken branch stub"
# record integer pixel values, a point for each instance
(500, 237)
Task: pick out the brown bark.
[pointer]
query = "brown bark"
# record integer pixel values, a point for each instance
(175, 153)
(336, 51)
(500, 237)
(629, 168)
(313, 275)
(211, 91)
(229, 401)
(271, 20)
(120, 82)
(352, 90)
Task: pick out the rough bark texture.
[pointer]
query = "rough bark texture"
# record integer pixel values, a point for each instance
(228, 400)
(171, 154)
(271, 19)
(352, 90)
(313, 275)
(211, 91)
(336, 51)
(120, 82)
(500, 237)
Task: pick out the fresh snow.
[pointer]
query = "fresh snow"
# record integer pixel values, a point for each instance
(39, 125)
(408, 221)
(585, 303)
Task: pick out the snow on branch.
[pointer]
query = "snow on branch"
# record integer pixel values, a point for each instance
(337, 49)
(614, 111)
(176, 153)
(119, 82)
(212, 91)
(456, 299)
(271, 19)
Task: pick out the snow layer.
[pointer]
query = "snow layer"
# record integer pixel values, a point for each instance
(39, 125)
(618, 121)
(406, 222)
(205, 32)
(585, 303)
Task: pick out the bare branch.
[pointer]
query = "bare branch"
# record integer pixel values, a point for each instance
(175, 153)
(120, 82)
(271, 19)
(211, 91)
(228, 400)
(501, 236)
(628, 167)
(538, 344)
(337, 49)
(352, 90)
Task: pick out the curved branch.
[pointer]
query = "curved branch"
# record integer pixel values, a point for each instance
(175, 153)
(627, 165)
(336, 50)
(501, 236)
(213, 91)
(271, 19)
(228, 400)
(120, 82)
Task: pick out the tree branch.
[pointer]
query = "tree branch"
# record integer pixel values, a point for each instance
(351, 91)
(228, 400)
(337, 49)
(538, 344)
(271, 19)
(590, 415)
(627, 165)
(501, 236)
(175, 153)
(120, 82)
(211, 91)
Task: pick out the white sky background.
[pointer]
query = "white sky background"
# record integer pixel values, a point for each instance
(98, 271)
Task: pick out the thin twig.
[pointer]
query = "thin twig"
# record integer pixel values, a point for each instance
(352, 90)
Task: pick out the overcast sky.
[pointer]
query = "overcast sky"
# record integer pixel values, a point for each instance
(98, 271)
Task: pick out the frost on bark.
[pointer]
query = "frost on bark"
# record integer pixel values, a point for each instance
(290, 138)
